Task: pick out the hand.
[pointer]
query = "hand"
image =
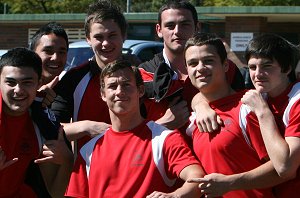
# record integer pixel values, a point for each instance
(176, 115)
(48, 91)
(213, 185)
(161, 195)
(3, 162)
(255, 101)
(207, 119)
(56, 151)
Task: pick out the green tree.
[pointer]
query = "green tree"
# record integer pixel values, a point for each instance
(251, 3)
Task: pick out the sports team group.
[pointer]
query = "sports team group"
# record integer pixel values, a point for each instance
(182, 124)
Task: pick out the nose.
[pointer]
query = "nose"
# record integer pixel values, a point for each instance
(258, 71)
(18, 88)
(105, 42)
(200, 67)
(54, 56)
(119, 90)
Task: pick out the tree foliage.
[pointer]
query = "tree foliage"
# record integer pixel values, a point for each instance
(80, 6)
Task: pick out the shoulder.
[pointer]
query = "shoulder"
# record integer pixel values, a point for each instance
(72, 77)
(152, 64)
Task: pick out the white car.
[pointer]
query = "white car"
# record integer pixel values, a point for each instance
(80, 51)
(2, 52)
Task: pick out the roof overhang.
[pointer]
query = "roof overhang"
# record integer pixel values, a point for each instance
(272, 13)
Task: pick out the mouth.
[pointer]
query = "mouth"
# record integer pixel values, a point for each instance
(53, 67)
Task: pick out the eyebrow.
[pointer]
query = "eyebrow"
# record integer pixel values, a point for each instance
(14, 79)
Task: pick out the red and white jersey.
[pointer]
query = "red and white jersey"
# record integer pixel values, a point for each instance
(130, 163)
(227, 151)
(286, 108)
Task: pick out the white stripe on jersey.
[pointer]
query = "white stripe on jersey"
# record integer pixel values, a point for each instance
(294, 96)
(78, 94)
(159, 134)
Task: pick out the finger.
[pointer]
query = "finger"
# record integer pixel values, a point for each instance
(10, 162)
(44, 159)
(197, 180)
(219, 121)
(48, 153)
(53, 82)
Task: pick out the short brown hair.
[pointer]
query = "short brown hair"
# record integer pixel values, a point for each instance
(114, 66)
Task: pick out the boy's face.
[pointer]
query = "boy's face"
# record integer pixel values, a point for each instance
(53, 51)
(121, 93)
(205, 69)
(177, 26)
(18, 89)
(106, 41)
(266, 76)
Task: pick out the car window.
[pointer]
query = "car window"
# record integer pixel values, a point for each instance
(77, 56)
(147, 53)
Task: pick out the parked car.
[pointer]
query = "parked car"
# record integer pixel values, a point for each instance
(80, 51)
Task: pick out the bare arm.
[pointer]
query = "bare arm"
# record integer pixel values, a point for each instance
(207, 119)
(76, 130)
(283, 152)
(216, 184)
(187, 190)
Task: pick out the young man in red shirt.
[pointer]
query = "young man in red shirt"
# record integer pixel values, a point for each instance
(134, 157)
(78, 97)
(24, 126)
(169, 91)
(226, 150)
(271, 61)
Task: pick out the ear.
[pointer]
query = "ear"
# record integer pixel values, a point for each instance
(226, 65)
(158, 30)
(88, 40)
(141, 90)
(103, 96)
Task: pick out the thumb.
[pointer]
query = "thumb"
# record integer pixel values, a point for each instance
(219, 120)
(53, 82)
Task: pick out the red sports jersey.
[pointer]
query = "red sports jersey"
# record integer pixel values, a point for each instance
(286, 108)
(92, 107)
(226, 151)
(130, 163)
(18, 140)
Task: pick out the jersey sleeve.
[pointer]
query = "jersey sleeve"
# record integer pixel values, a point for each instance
(177, 154)
(78, 184)
(293, 127)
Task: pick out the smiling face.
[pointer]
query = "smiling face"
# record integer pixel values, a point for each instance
(121, 93)
(106, 41)
(177, 26)
(18, 89)
(205, 69)
(266, 75)
(53, 51)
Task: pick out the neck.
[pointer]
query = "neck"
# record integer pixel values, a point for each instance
(125, 122)
(177, 64)
(218, 93)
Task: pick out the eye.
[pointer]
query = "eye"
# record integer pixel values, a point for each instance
(252, 67)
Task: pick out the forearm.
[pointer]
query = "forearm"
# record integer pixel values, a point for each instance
(277, 148)
(263, 176)
(190, 189)
(74, 130)
(56, 177)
